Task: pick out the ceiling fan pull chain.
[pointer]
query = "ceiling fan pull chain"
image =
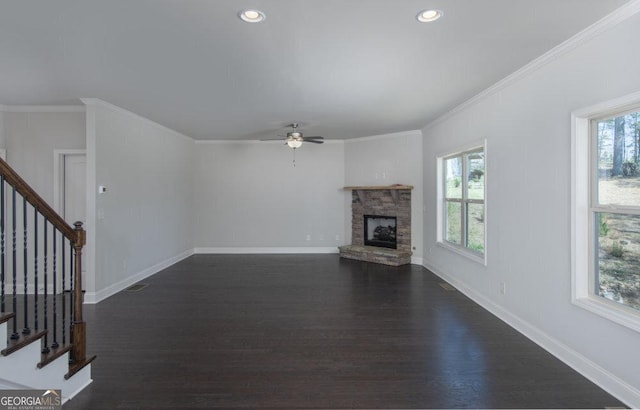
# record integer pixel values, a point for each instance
(294, 157)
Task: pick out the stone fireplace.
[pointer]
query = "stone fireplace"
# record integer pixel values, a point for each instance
(380, 225)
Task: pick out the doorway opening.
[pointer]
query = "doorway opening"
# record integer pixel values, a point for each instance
(70, 185)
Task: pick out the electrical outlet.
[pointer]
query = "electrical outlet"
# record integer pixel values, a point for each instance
(337, 237)
(308, 237)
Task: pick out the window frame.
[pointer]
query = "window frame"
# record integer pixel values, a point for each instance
(462, 248)
(585, 206)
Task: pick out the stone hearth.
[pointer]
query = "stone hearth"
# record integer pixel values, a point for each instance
(391, 200)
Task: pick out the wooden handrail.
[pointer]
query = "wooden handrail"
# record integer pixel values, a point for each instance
(24, 189)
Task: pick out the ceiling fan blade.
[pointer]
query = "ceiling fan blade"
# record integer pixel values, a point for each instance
(313, 141)
(314, 138)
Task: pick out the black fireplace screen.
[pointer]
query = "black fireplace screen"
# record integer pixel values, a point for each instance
(380, 231)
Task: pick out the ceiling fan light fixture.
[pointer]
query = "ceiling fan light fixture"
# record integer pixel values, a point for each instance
(294, 143)
(252, 16)
(427, 16)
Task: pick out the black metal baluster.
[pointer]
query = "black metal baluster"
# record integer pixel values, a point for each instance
(35, 268)
(2, 244)
(71, 270)
(55, 344)
(14, 272)
(45, 349)
(64, 296)
(26, 330)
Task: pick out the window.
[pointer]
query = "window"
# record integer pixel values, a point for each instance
(615, 207)
(462, 208)
(606, 210)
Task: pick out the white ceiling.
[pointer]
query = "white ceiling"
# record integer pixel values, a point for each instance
(341, 68)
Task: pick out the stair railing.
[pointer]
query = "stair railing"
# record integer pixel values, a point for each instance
(48, 302)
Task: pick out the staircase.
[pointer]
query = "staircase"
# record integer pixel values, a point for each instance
(42, 332)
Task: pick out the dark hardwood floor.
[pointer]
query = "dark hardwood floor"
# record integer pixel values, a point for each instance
(313, 331)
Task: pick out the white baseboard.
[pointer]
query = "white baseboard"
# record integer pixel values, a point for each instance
(609, 382)
(95, 297)
(280, 250)
(273, 250)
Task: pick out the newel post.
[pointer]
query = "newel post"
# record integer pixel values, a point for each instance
(79, 351)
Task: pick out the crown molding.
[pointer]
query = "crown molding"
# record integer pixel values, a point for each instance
(102, 103)
(42, 108)
(267, 250)
(606, 23)
(401, 134)
(410, 133)
(227, 141)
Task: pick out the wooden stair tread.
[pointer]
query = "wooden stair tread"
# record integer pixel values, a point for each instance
(53, 354)
(5, 317)
(22, 341)
(76, 367)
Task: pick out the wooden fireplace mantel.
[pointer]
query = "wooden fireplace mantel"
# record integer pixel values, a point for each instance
(393, 189)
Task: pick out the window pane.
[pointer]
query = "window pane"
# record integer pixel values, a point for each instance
(475, 177)
(618, 254)
(475, 225)
(453, 177)
(618, 158)
(454, 222)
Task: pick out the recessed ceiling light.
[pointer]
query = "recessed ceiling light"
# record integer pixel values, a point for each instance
(252, 16)
(427, 16)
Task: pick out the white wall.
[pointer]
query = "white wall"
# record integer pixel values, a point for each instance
(2, 132)
(387, 160)
(250, 197)
(30, 139)
(30, 136)
(144, 221)
(526, 122)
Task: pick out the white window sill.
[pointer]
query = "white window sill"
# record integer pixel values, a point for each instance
(474, 256)
(610, 310)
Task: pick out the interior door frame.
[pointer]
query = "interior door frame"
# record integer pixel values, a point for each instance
(58, 176)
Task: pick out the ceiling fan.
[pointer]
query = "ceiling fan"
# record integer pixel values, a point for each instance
(294, 138)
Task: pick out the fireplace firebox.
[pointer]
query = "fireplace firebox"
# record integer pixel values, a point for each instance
(380, 230)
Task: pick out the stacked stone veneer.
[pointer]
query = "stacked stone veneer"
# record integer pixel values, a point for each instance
(384, 202)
